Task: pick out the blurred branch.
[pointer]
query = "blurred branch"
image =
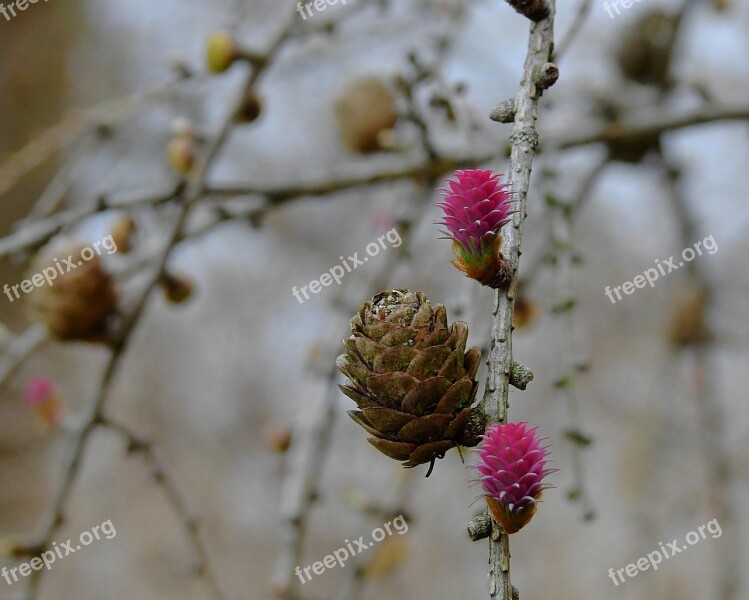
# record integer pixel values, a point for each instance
(54, 193)
(35, 234)
(565, 302)
(572, 207)
(583, 10)
(277, 196)
(19, 349)
(302, 481)
(524, 141)
(646, 126)
(189, 195)
(354, 587)
(179, 505)
(700, 352)
(315, 427)
(69, 130)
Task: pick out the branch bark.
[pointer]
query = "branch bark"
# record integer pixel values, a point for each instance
(524, 141)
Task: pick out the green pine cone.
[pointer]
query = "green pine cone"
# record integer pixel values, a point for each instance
(410, 376)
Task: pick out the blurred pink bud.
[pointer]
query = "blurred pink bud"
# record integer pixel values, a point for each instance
(44, 398)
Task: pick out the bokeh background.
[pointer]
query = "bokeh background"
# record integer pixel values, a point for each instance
(643, 401)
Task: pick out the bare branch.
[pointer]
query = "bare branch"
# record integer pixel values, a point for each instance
(20, 349)
(36, 234)
(494, 404)
(651, 125)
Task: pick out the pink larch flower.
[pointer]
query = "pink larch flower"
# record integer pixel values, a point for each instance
(43, 397)
(512, 467)
(475, 207)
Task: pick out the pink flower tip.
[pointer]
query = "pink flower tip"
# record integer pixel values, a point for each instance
(39, 390)
(475, 205)
(512, 467)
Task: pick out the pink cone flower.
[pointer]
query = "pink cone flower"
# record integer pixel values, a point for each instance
(475, 207)
(512, 467)
(44, 398)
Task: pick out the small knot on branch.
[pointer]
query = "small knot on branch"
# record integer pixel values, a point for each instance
(546, 75)
(479, 527)
(504, 112)
(520, 376)
(527, 137)
(535, 10)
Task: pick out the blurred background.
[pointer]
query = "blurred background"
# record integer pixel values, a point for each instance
(217, 442)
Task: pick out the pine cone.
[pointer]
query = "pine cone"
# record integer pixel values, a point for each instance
(76, 304)
(410, 375)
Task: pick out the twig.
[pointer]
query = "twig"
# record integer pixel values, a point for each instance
(572, 207)
(36, 234)
(583, 10)
(355, 585)
(20, 349)
(189, 195)
(564, 309)
(70, 129)
(175, 498)
(308, 457)
(315, 426)
(651, 125)
(311, 442)
(496, 396)
(277, 195)
(712, 421)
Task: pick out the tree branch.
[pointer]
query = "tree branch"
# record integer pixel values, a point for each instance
(651, 125)
(19, 349)
(190, 194)
(524, 141)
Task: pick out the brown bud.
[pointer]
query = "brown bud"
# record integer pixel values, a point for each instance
(526, 311)
(181, 153)
(251, 107)
(491, 269)
(76, 298)
(176, 289)
(123, 232)
(221, 52)
(277, 437)
(365, 109)
(689, 326)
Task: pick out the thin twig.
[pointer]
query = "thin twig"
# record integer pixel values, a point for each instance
(712, 421)
(189, 195)
(70, 129)
(583, 10)
(37, 233)
(19, 350)
(647, 126)
(565, 302)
